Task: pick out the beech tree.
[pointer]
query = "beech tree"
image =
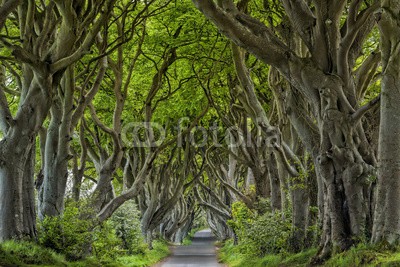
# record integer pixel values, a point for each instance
(66, 113)
(325, 78)
(45, 41)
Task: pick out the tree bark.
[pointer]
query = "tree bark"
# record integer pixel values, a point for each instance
(386, 227)
(17, 152)
(55, 171)
(276, 196)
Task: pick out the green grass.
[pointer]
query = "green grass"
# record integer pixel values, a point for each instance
(393, 259)
(362, 255)
(365, 255)
(29, 254)
(233, 256)
(299, 259)
(159, 252)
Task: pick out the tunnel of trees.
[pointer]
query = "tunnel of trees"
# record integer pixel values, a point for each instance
(274, 122)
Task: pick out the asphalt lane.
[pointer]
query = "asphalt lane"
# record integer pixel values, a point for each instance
(200, 253)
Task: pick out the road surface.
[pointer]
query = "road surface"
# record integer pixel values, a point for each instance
(201, 253)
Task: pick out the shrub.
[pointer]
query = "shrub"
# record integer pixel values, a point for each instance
(106, 244)
(126, 222)
(260, 234)
(76, 238)
(269, 233)
(67, 234)
(242, 218)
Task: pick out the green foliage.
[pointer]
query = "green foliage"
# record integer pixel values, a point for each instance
(269, 233)
(126, 222)
(260, 234)
(66, 234)
(72, 236)
(117, 242)
(106, 244)
(242, 218)
(392, 259)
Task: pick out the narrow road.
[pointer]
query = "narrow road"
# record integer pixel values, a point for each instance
(200, 253)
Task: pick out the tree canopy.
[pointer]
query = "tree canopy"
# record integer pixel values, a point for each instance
(237, 111)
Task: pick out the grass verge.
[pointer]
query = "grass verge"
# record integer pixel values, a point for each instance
(29, 254)
(362, 255)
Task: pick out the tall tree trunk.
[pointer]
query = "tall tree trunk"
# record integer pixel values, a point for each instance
(300, 216)
(276, 197)
(386, 226)
(28, 189)
(17, 212)
(51, 200)
(55, 172)
(17, 155)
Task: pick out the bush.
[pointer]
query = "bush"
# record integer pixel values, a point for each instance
(260, 234)
(76, 238)
(106, 245)
(66, 234)
(126, 222)
(269, 234)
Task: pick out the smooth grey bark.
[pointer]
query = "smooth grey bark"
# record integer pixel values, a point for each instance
(55, 167)
(275, 197)
(231, 172)
(277, 162)
(17, 208)
(28, 202)
(179, 220)
(386, 227)
(17, 216)
(270, 135)
(153, 199)
(79, 168)
(184, 230)
(107, 163)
